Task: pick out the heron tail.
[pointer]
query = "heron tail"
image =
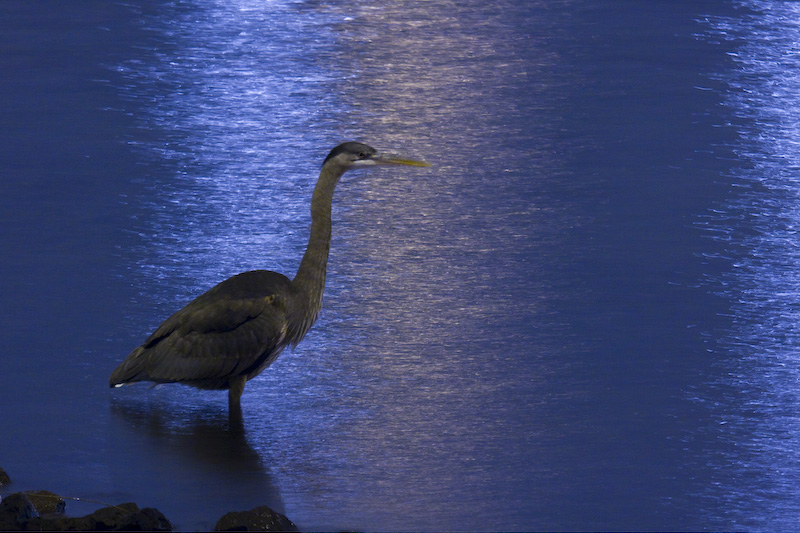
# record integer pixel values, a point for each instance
(130, 370)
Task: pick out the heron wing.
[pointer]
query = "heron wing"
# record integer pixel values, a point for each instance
(230, 330)
(219, 340)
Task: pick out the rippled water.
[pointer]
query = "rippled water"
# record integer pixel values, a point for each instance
(757, 227)
(579, 318)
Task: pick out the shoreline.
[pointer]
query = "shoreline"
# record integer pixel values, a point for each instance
(42, 510)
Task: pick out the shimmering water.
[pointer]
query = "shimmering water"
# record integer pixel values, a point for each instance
(580, 318)
(756, 226)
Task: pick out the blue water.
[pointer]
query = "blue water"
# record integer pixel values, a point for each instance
(581, 317)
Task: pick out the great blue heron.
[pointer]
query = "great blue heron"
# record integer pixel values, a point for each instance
(231, 333)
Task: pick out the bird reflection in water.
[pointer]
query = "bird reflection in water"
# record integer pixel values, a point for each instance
(233, 332)
(188, 457)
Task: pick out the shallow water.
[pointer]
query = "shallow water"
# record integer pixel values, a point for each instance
(579, 318)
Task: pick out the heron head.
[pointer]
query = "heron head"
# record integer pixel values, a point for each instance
(354, 155)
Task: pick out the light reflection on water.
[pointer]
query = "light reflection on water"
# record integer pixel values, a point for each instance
(420, 385)
(508, 338)
(480, 358)
(430, 297)
(759, 228)
(235, 109)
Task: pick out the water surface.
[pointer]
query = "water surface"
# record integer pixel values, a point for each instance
(580, 318)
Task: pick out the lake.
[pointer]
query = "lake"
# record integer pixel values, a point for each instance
(582, 316)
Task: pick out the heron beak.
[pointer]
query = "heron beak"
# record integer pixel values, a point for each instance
(394, 159)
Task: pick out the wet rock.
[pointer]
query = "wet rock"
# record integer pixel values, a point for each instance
(18, 513)
(258, 519)
(128, 517)
(59, 523)
(15, 511)
(4, 478)
(46, 502)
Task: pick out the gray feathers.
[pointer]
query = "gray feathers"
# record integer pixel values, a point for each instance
(237, 328)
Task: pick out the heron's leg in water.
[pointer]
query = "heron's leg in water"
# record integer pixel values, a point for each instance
(235, 424)
(236, 389)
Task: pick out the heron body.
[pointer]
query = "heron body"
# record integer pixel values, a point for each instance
(231, 333)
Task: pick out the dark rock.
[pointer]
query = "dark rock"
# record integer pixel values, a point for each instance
(59, 523)
(46, 502)
(147, 519)
(110, 518)
(128, 517)
(15, 511)
(4, 478)
(18, 513)
(259, 519)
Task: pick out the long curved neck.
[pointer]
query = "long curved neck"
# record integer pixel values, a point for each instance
(309, 282)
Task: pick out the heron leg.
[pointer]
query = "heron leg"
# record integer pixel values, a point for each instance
(235, 390)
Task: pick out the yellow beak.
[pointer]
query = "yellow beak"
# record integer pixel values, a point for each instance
(392, 159)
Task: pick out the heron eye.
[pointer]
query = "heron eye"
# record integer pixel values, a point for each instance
(362, 155)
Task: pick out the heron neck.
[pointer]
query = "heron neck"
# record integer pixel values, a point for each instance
(310, 279)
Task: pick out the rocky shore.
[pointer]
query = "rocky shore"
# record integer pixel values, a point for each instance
(44, 511)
